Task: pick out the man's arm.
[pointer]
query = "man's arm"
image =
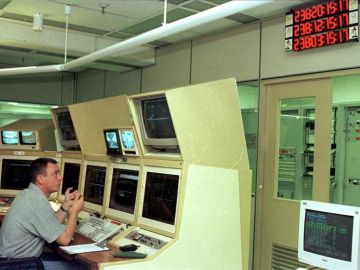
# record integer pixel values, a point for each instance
(64, 210)
(66, 237)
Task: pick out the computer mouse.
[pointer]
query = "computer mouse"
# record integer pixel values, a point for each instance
(130, 247)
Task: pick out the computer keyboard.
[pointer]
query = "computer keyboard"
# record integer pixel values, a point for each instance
(98, 229)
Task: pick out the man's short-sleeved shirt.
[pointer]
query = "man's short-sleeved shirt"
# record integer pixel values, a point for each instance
(29, 222)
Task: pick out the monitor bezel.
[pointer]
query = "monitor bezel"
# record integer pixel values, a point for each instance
(322, 260)
(12, 192)
(136, 147)
(92, 207)
(9, 145)
(154, 225)
(66, 144)
(117, 214)
(113, 151)
(61, 197)
(156, 144)
(21, 141)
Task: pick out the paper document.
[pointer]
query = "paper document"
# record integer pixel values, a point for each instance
(75, 249)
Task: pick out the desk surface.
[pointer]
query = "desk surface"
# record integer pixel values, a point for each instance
(93, 258)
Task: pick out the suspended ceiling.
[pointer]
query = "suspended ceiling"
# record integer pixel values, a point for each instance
(96, 24)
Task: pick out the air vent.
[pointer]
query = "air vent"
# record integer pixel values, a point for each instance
(285, 258)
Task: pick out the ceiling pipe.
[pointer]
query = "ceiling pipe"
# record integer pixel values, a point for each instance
(215, 13)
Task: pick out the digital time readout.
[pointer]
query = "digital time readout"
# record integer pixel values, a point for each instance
(321, 10)
(324, 24)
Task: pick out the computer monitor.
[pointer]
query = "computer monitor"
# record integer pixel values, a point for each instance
(71, 174)
(329, 235)
(28, 137)
(128, 141)
(112, 141)
(9, 137)
(65, 127)
(15, 174)
(160, 199)
(157, 127)
(94, 176)
(121, 197)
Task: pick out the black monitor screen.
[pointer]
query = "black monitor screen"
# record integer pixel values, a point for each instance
(70, 176)
(112, 141)
(123, 190)
(9, 137)
(157, 119)
(160, 197)
(94, 184)
(328, 234)
(66, 126)
(15, 174)
(28, 137)
(128, 140)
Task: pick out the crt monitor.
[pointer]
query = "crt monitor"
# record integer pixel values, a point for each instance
(64, 124)
(15, 173)
(112, 142)
(128, 142)
(156, 124)
(160, 198)
(9, 137)
(71, 175)
(28, 137)
(94, 185)
(329, 235)
(124, 187)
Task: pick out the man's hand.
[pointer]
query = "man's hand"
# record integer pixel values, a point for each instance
(70, 197)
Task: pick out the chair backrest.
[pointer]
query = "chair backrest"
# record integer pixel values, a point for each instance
(32, 263)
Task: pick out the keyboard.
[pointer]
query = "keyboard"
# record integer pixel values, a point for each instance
(98, 229)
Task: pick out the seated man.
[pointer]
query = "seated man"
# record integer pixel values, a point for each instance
(31, 221)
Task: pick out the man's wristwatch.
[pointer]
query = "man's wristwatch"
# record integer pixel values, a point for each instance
(64, 210)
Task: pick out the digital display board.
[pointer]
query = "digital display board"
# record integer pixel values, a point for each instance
(323, 24)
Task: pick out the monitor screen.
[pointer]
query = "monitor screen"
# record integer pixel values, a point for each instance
(112, 141)
(9, 137)
(128, 142)
(66, 126)
(94, 184)
(28, 137)
(15, 174)
(157, 126)
(71, 176)
(329, 235)
(160, 198)
(157, 119)
(123, 190)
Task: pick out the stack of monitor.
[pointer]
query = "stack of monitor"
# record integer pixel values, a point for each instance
(329, 235)
(9, 137)
(149, 199)
(121, 141)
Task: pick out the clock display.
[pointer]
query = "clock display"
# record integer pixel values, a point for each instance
(324, 24)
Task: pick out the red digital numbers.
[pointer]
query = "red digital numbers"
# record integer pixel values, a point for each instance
(321, 10)
(321, 25)
(319, 40)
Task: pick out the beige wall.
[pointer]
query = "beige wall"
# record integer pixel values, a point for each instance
(231, 54)
(172, 68)
(43, 89)
(235, 53)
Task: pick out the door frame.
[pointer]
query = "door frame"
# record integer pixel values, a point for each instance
(266, 146)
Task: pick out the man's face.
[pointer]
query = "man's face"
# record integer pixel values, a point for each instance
(53, 178)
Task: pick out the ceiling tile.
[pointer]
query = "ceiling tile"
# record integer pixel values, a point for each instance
(198, 5)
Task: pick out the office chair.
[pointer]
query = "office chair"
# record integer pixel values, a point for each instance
(32, 263)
